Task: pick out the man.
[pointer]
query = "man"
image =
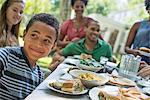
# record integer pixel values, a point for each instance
(90, 45)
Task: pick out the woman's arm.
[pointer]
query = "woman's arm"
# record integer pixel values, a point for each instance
(63, 40)
(145, 72)
(130, 39)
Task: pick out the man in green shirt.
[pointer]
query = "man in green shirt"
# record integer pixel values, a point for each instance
(90, 45)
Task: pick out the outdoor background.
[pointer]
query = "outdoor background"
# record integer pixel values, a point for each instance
(115, 16)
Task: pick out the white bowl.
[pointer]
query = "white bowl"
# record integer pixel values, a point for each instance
(104, 78)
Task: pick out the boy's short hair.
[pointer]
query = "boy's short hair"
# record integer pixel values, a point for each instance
(45, 18)
(90, 21)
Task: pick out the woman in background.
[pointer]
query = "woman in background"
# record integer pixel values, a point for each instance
(10, 17)
(139, 36)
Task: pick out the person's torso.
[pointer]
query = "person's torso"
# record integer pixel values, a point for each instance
(101, 49)
(73, 32)
(18, 78)
(142, 38)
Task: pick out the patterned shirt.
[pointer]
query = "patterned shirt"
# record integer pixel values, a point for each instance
(17, 78)
(69, 29)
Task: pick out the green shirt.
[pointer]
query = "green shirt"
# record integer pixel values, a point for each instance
(76, 48)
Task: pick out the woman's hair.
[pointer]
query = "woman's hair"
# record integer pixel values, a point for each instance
(3, 22)
(147, 4)
(84, 1)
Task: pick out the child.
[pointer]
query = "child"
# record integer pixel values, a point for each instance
(11, 14)
(19, 74)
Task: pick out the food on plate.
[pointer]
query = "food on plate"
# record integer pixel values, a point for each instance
(85, 56)
(71, 86)
(123, 94)
(144, 49)
(121, 81)
(56, 85)
(89, 76)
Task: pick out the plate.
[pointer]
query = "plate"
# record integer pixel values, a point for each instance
(90, 65)
(144, 53)
(121, 81)
(144, 83)
(146, 90)
(117, 93)
(76, 56)
(63, 92)
(94, 92)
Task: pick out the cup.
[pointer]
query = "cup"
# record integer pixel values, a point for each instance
(129, 66)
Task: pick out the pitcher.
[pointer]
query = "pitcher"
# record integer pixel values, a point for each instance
(129, 66)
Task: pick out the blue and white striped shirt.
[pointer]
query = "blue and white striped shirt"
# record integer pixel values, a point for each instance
(17, 78)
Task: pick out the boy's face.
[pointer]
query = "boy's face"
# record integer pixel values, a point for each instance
(92, 31)
(39, 40)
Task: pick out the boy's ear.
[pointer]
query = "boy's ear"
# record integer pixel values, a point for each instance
(24, 33)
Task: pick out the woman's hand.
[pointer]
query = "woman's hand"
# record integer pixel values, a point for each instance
(144, 72)
(135, 52)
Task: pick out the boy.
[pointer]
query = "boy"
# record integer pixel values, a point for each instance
(19, 74)
(90, 45)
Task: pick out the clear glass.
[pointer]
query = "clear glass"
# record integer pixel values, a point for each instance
(129, 66)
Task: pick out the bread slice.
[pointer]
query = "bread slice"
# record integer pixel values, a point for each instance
(72, 86)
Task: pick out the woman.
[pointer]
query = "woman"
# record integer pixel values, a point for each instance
(74, 29)
(139, 36)
(10, 17)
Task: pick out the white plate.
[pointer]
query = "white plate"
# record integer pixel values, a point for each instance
(112, 90)
(63, 92)
(146, 90)
(121, 81)
(97, 66)
(76, 56)
(144, 83)
(144, 53)
(94, 92)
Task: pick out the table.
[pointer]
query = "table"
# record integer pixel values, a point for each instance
(42, 92)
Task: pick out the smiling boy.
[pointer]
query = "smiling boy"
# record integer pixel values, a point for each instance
(19, 74)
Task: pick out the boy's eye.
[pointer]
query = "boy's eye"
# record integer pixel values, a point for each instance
(47, 41)
(33, 36)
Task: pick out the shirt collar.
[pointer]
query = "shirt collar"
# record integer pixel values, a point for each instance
(99, 44)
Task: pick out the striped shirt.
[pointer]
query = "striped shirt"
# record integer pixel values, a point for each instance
(17, 78)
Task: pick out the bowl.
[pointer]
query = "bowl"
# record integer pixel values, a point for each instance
(90, 79)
